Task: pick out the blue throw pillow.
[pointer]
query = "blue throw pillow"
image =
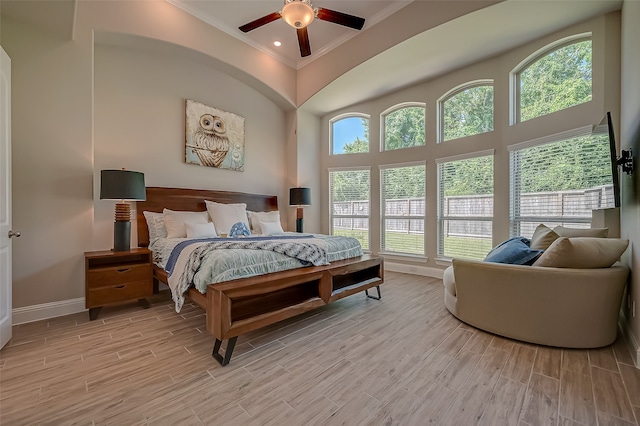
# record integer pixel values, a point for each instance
(515, 251)
(239, 229)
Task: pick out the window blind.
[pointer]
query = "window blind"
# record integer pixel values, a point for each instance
(402, 193)
(465, 207)
(349, 204)
(560, 183)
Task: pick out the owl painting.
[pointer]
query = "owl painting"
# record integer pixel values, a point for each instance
(214, 138)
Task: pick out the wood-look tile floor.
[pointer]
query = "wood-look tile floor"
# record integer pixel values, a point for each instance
(403, 360)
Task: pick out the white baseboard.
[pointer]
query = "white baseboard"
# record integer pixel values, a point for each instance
(413, 269)
(47, 310)
(629, 338)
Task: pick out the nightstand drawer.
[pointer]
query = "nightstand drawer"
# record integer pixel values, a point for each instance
(112, 277)
(119, 292)
(116, 275)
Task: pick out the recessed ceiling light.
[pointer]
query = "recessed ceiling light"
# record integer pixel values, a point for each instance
(277, 43)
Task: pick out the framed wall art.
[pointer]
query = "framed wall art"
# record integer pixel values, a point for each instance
(214, 138)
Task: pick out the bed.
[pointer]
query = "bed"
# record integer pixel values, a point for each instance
(242, 305)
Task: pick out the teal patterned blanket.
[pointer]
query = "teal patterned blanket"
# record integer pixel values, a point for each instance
(187, 259)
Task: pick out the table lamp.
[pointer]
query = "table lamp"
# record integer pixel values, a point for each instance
(299, 197)
(123, 185)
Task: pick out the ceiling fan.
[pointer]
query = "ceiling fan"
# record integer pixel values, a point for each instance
(299, 14)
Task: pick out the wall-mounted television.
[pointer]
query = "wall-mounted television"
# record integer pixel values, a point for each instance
(605, 129)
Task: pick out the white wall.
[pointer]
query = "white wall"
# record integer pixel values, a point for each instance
(52, 163)
(606, 77)
(139, 100)
(629, 137)
(138, 112)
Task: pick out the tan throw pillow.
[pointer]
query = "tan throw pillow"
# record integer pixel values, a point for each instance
(581, 232)
(542, 238)
(582, 253)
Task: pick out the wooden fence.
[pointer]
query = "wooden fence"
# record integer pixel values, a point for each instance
(463, 213)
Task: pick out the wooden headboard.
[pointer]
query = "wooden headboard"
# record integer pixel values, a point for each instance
(193, 200)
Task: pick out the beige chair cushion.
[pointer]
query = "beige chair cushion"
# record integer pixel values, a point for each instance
(582, 252)
(581, 232)
(543, 237)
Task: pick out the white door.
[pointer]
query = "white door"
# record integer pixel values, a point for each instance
(5, 198)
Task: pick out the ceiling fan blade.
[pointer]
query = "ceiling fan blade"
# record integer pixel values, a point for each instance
(340, 18)
(260, 22)
(303, 41)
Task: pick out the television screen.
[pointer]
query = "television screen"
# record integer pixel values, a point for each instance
(605, 130)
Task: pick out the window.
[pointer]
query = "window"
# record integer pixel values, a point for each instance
(465, 206)
(402, 193)
(559, 182)
(404, 126)
(349, 198)
(467, 111)
(557, 78)
(350, 134)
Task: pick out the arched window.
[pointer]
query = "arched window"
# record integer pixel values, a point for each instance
(554, 78)
(349, 134)
(466, 110)
(403, 126)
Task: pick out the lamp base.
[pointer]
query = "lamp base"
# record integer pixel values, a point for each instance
(299, 219)
(122, 236)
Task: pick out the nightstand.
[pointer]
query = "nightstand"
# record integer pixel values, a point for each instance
(113, 277)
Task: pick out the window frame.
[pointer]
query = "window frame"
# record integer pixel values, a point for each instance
(440, 198)
(453, 92)
(384, 217)
(514, 194)
(343, 117)
(330, 193)
(397, 107)
(514, 74)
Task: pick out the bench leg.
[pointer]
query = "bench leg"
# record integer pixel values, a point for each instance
(373, 297)
(231, 343)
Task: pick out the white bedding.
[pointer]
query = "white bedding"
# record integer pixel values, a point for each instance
(230, 264)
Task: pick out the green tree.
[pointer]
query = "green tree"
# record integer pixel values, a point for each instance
(468, 112)
(358, 145)
(556, 81)
(404, 128)
(350, 185)
(473, 176)
(404, 182)
(578, 163)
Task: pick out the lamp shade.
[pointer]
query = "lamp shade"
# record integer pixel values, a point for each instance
(122, 185)
(299, 197)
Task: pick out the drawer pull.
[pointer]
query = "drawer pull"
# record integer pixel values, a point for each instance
(123, 270)
(120, 286)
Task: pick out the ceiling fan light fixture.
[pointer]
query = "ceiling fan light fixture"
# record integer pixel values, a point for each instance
(298, 13)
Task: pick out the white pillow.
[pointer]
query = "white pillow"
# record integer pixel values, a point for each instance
(582, 252)
(174, 221)
(200, 230)
(155, 224)
(224, 216)
(270, 228)
(256, 217)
